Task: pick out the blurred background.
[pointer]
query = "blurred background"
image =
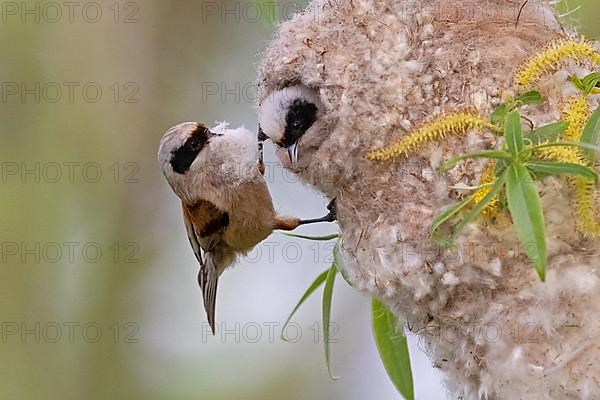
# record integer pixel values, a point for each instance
(98, 291)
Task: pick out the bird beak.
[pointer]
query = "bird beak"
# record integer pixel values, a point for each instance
(293, 154)
(261, 145)
(208, 278)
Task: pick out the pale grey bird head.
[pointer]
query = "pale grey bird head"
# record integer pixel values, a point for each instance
(191, 155)
(290, 117)
(179, 154)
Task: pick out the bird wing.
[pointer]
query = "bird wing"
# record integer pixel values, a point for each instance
(205, 225)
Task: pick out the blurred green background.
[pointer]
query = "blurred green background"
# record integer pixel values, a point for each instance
(98, 291)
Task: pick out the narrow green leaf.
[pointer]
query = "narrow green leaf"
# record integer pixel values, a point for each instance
(558, 168)
(593, 77)
(532, 97)
(464, 186)
(494, 154)
(393, 349)
(499, 114)
(475, 211)
(501, 166)
(513, 133)
(448, 213)
(591, 132)
(591, 82)
(578, 83)
(311, 289)
(316, 238)
(327, 297)
(546, 133)
(526, 211)
(340, 265)
(588, 83)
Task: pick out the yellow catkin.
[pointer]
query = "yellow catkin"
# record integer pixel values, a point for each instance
(552, 58)
(565, 154)
(488, 177)
(586, 205)
(576, 111)
(451, 124)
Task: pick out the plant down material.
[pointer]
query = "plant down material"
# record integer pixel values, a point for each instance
(553, 58)
(373, 69)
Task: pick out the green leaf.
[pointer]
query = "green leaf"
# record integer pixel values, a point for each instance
(340, 265)
(547, 133)
(316, 238)
(559, 168)
(578, 83)
(501, 166)
(591, 132)
(588, 83)
(495, 154)
(532, 97)
(591, 82)
(327, 296)
(449, 213)
(311, 289)
(499, 114)
(393, 349)
(526, 211)
(475, 211)
(463, 186)
(513, 133)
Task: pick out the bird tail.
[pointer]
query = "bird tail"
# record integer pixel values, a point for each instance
(208, 278)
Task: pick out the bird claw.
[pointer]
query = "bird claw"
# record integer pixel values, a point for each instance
(332, 207)
(330, 217)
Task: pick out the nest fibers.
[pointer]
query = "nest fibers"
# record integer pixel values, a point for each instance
(383, 68)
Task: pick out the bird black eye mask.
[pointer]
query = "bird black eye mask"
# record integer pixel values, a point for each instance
(300, 117)
(184, 156)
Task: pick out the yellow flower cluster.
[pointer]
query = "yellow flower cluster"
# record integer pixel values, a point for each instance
(565, 154)
(576, 112)
(488, 177)
(552, 58)
(586, 201)
(454, 123)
